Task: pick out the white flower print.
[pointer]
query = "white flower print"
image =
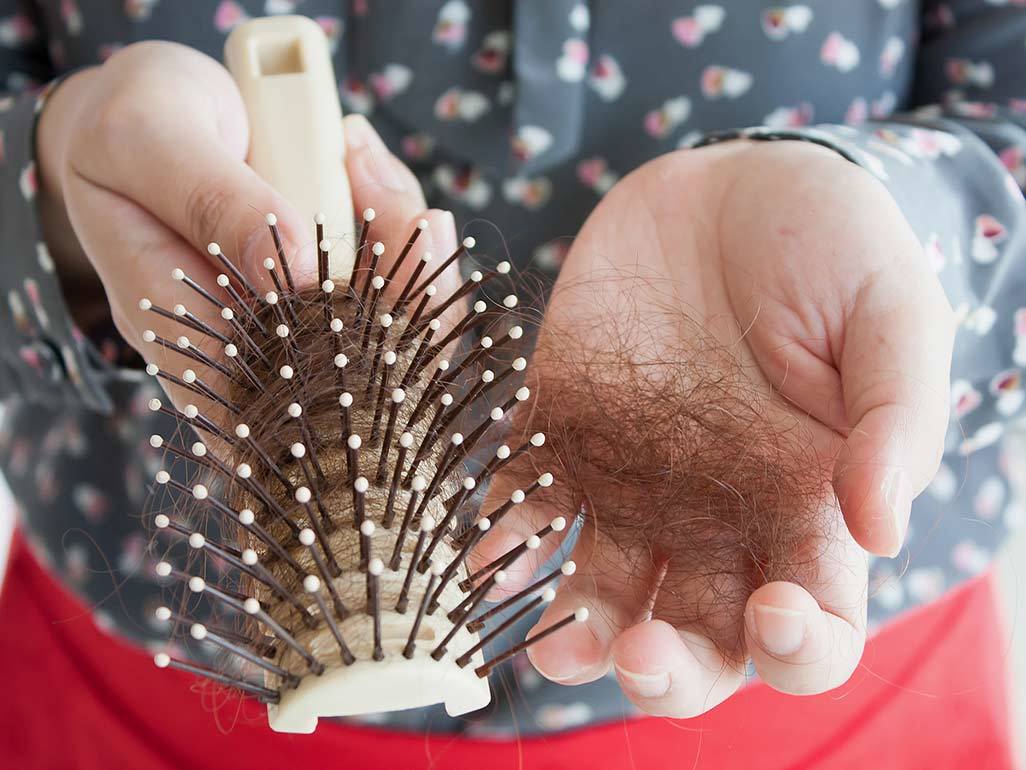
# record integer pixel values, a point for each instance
(659, 123)
(722, 81)
(596, 175)
(840, 52)
(392, 80)
(890, 57)
(606, 78)
(790, 117)
(778, 23)
(988, 234)
(451, 27)
(944, 484)
(691, 30)
(529, 193)
(580, 18)
(530, 142)
(457, 104)
(467, 186)
(573, 64)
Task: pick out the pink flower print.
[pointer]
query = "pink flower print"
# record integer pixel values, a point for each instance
(466, 186)
(394, 79)
(884, 106)
(457, 104)
(90, 501)
(1007, 387)
(451, 26)
(32, 290)
(778, 23)
(573, 64)
(857, 113)
(360, 8)
(16, 30)
(964, 398)
(925, 584)
(606, 78)
(417, 146)
(722, 81)
(985, 436)
(529, 193)
(332, 26)
(493, 54)
(107, 50)
(72, 16)
(595, 174)
(839, 52)
(30, 356)
(46, 482)
(355, 96)
(133, 549)
(76, 563)
(940, 17)
(550, 256)
(890, 57)
(530, 142)
(1014, 160)
(969, 557)
(228, 15)
(691, 30)
(139, 10)
(988, 234)
(27, 182)
(790, 117)
(964, 72)
(659, 123)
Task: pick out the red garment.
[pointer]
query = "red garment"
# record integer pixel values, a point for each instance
(930, 693)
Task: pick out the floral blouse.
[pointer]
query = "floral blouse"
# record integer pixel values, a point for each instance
(518, 115)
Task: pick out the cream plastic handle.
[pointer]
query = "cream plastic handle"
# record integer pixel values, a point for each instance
(283, 70)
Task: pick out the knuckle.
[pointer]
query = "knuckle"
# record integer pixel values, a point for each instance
(205, 209)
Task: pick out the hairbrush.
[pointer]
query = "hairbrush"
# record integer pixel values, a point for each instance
(328, 447)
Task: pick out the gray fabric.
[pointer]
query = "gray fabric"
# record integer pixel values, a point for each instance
(518, 116)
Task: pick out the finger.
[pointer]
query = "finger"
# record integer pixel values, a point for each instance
(810, 641)
(581, 652)
(671, 673)
(895, 369)
(205, 192)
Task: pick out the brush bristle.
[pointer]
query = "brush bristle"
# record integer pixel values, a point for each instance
(338, 429)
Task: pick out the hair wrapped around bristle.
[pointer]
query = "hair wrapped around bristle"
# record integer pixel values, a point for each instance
(331, 462)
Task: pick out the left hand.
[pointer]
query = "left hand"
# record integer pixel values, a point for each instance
(803, 264)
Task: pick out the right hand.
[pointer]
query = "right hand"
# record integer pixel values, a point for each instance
(142, 162)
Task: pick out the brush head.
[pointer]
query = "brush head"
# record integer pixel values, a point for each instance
(337, 429)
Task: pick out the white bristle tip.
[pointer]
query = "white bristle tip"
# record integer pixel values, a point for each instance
(375, 566)
(510, 301)
(516, 332)
(533, 543)
(518, 496)
(249, 557)
(298, 450)
(319, 218)
(385, 320)
(311, 584)
(427, 522)
(336, 325)
(503, 452)
(480, 306)
(434, 324)
(196, 540)
(558, 524)
(162, 477)
(162, 613)
(244, 470)
(446, 399)
(545, 480)
(378, 282)
(419, 484)
(148, 336)
(548, 595)
(426, 257)
(469, 243)
(161, 521)
(568, 568)
(295, 410)
(155, 404)
(179, 309)
(499, 577)
(163, 569)
(502, 268)
(268, 264)
(523, 393)
(354, 441)
(398, 396)
(484, 524)
(437, 567)
(368, 215)
(431, 291)
(367, 528)
(222, 280)
(271, 298)
(251, 606)
(496, 414)
(361, 484)
(200, 492)
(271, 220)
(303, 495)
(341, 360)
(183, 342)
(406, 440)
(469, 483)
(189, 376)
(307, 537)
(581, 614)
(178, 274)
(345, 399)
(242, 430)
(538, 439)
(213, 249)
(230, 350)
(281, 330)
(422, 224)
(390, 358)
(519, 364)
(477, 276)
(378, 248)
(156, 441)
(457, 439)
(197, 585)
(162, 660)
(286, 372)
(145, 304)
(246, 517)
(328, 286)
(152, 369)
(191, 411)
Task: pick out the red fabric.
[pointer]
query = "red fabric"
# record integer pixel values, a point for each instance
(931, 693)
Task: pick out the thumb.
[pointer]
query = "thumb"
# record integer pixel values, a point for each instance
(895, 374)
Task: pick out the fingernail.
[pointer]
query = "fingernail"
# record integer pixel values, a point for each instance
(643, 685)
(780, 630)
(897, 494)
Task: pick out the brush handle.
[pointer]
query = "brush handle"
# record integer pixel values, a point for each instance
(282, 67)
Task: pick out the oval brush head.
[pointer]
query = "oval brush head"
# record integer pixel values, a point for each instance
(331, 455)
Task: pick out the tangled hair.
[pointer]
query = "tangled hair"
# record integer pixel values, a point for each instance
(686, 471)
